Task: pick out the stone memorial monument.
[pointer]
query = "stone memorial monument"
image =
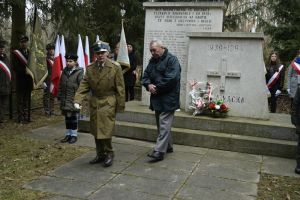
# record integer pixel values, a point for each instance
(233, 63)
(170, 22)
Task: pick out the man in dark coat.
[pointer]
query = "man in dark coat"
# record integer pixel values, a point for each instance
(5, 80)
(24, 82)
(162, 79)
(295, 118)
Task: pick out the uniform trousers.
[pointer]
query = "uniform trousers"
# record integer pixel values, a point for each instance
(23, 104)
(48, 102)
(104, 146)
(3, 106)
(164, 122)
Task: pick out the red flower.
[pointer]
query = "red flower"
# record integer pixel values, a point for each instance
(212, 106)
(224, 108)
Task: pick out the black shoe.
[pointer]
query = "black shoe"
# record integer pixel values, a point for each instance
(98, 159)
(156, 156)
(108, 161)
(170, 150)
(72, 140)
(66, 139)
(297, 170)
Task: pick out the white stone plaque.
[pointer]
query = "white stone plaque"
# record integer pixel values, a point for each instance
(233, 63)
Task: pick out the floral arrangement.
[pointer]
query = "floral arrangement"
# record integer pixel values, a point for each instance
(203, 102)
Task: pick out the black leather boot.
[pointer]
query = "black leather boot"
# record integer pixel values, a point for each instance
(97, 159)
(108, 161)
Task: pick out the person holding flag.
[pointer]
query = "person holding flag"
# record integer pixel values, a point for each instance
(24, 82)
(274, 79)
(5, 81)
(293, 73)
(48, 98)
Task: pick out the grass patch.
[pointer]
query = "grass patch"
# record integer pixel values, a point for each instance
(23, 159)
(273, 187)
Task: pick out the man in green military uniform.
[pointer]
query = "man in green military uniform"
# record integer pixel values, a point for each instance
(104, 79)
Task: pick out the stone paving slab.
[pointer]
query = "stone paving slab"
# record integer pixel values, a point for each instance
(279, 166)
(68, 187)
(194, 193)
(188, 173)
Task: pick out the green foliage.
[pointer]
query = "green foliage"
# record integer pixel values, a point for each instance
(284, 28)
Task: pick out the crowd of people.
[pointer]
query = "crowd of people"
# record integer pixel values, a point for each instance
(109, 87)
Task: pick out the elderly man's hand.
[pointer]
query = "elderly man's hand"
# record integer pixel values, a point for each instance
(152, 88)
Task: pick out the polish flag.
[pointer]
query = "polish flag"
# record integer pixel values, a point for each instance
(87, 51)
(62, 51)
(56, 69)
(80, 53)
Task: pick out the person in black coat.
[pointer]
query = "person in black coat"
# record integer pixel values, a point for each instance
(274, 79)
(24, 82)
(5, 81)
(295, 118)
(130, 75)
(162, 79)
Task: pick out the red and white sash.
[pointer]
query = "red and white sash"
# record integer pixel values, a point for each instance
(20, 57)
(296, 67)
(5, 68)
(274, 78)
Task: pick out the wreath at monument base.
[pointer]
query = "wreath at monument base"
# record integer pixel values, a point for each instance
(202, 101)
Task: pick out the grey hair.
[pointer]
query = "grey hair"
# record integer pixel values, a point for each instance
(158, 42)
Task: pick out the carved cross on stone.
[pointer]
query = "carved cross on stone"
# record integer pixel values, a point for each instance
(223, 74)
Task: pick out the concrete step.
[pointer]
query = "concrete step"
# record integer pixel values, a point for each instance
(209, 139)
(275, 137)
(278, 127)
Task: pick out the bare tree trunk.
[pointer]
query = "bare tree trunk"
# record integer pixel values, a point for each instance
(17, 29)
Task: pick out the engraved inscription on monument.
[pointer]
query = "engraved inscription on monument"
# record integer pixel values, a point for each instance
(170, 23)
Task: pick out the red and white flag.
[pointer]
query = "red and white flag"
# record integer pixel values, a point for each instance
(62, 51)
(56, 69)
(87, 52)
(80, 53)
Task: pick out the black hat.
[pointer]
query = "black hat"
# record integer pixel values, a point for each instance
(2, 43)
(71, 56)
(101, 46)
(23, 38)
(50, 46)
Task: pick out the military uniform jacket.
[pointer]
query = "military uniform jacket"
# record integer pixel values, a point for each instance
(68, 85)
(106, 85)
(24, 81)
(4, 79)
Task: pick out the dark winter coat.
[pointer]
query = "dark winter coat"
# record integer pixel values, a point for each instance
(5, 83)
(295, 114)
(129, 76)
(68, 86)
(271, 70)
(24, 81)
(164, 73)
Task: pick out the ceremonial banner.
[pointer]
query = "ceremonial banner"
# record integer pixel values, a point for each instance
(37, 58)
(123, 57)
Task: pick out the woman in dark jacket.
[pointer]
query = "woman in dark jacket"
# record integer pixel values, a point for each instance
(130, 75)
(274, 79)
(68, 85)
